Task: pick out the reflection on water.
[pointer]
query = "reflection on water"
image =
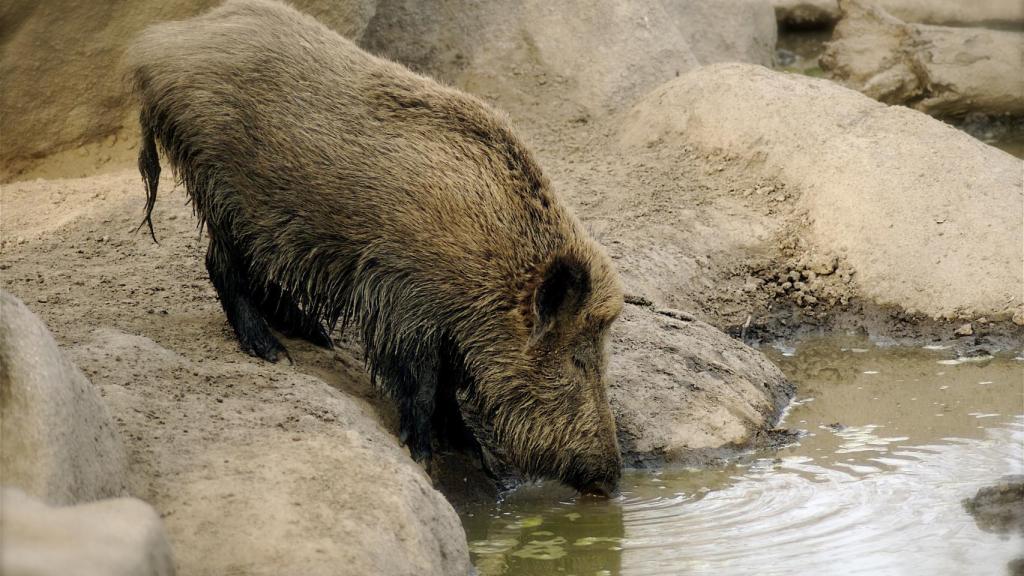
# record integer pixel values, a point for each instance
(895, 439)
(798, 51)
(1005, 133)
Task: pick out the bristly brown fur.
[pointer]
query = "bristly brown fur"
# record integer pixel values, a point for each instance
(336, 185)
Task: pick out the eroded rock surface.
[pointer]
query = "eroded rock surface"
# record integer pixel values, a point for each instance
(116, 537)
(57, 440)
(682, 391)
(261, 469)
(589, 55)
(939, 70)
(906, 200)
(726, 30)
(66, 54)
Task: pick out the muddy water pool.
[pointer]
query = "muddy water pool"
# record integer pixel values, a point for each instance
(894, 439)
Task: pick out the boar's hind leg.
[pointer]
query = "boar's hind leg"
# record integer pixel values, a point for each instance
(416, 406)
(228, 274)
(280, 309)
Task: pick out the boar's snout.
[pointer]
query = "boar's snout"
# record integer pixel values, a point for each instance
(599, 489)
(596, 474)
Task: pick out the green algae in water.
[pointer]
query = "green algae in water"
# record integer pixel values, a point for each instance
(896, 438)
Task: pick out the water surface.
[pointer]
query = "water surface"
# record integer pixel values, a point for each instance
(895, 439)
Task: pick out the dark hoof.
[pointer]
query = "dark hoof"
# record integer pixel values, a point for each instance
(422, 456)
(419, 449)
(319, 336)
(268, 348)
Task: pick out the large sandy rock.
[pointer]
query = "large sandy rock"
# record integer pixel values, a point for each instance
(726, 30)
(261, 469)
(119, 537)
(958, 12)
(593, 54)
(62, 93)
(819, 13)
(938, 70)
(928, 218)
(683, 391)
(59, 62)
(58, 441)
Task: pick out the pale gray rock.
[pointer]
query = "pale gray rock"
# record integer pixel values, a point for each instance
(116, 537)
(591, 55)
(57, 440)
(942, 71)
(683, 391)
(262, 469)
(726, 30)
(907, 201)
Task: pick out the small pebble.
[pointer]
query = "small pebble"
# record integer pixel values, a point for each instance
(1018, 317)
(964, 330)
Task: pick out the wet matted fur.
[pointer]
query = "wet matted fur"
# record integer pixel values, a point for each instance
(337, 185)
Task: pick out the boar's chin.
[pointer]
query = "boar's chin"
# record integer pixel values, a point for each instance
(495, 464)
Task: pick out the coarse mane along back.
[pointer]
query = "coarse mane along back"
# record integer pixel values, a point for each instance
(357, 186)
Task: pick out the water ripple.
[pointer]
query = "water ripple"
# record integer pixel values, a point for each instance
(905, 521)
(874, 486)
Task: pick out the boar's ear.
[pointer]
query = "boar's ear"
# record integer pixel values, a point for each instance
(563, 287)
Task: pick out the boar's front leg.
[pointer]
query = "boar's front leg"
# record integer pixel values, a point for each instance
(284, 314)
(416, 406)
(228, 274)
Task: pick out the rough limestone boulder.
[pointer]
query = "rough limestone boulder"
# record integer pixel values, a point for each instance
(261, 469)
(928, 218)
(958, 12)
(939, 70)
(726, 30)
(588, 56)
(592, 54)
(58, 441)
(684, 392)
(118, 537)
(59, 59)
(820, 13)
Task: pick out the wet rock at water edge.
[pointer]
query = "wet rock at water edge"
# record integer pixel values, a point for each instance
(999, 508)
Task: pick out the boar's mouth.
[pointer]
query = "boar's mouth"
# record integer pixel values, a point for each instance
(498, 467)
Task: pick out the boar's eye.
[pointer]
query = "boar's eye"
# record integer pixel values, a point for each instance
(565, 285)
